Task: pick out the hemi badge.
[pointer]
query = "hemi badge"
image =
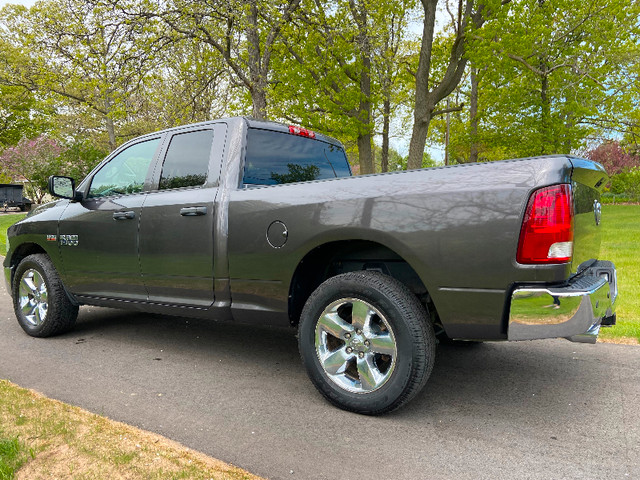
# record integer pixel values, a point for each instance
(52, 238)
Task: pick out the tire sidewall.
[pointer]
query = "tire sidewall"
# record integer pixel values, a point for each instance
(384, 397)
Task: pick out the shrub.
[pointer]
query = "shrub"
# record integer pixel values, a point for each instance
(626, 183)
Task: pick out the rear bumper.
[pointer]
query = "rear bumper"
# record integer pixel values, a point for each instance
(574, 311)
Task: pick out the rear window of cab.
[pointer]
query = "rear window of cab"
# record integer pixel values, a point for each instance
(276, 157)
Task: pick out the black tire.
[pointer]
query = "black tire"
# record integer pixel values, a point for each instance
(387, 363)
(40, 302)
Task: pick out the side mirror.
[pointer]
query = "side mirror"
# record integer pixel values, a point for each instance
(63, 187)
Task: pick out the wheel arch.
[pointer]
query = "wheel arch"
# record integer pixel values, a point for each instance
(333, 258)
(22, 251)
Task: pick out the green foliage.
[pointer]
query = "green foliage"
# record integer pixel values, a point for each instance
(551, 75)
(398, 162)
(21, 115)
(79, 159)
(12, 456)
(626, 183)
(337, 65)
(83, 54)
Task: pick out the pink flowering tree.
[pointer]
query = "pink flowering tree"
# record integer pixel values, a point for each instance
(614, 158)
(32, 162)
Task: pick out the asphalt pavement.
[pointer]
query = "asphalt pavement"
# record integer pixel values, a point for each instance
(542, 409)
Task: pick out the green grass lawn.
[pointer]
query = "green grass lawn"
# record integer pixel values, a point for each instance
(620, 244)
(5, 222)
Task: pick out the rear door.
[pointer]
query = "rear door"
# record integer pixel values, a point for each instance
(178, 218)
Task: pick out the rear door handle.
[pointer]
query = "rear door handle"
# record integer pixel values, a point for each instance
(193, 211)
(123, 215)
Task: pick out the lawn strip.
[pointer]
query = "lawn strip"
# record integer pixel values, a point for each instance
(56, 440)
(5, 222)
(620, 234)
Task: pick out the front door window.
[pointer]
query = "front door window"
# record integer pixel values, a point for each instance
(126, 172)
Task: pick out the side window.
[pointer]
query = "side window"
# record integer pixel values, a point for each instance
(187, 160)
(275, 157)
(125, 173)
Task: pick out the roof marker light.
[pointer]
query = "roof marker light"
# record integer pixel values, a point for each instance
(303, 132)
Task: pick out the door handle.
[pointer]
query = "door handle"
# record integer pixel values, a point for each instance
(123, 215)
(193, 211)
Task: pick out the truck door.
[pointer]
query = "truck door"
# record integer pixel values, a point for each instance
(98, 237)
(178, 218)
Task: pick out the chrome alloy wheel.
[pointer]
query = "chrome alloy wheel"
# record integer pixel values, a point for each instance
(32, 297)
(355, 345)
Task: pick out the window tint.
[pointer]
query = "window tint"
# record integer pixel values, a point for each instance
(274, 157)
(187, 160)
(125, 173)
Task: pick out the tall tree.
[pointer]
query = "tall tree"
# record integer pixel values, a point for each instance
(470, 16)
(333, 64)
(565, 63)
(389, 70)
(82, 52)
(548, 77)
(243, 32)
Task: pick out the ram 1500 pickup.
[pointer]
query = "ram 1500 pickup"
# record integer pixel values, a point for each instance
(258, 222)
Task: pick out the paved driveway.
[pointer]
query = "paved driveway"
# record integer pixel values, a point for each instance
(545, 409)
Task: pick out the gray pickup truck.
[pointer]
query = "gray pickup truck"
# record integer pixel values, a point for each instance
(258, 222)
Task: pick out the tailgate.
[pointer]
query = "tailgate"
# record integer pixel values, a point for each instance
(588, 180)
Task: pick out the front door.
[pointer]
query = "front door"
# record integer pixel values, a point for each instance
(98, 236)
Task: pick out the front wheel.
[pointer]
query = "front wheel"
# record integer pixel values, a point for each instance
(366, 342)
(40, 302)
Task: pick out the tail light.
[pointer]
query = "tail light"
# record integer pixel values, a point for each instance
(547, 229)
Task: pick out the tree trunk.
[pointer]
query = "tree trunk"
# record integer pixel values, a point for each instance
(111, 129)
(386, 115)
(423, 106)
(473, 115)
(365, 156)
(258, 85)
(545, 113)
(259, 101)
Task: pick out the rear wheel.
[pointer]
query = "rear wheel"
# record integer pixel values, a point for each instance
(40, 302)
(366, 342)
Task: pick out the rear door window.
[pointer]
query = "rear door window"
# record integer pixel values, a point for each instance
(187, 160)
(275, 157)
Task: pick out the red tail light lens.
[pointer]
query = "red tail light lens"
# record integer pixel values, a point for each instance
(547, 229)
(303, 132)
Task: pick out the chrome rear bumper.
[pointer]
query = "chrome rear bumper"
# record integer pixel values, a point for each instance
(574, 311)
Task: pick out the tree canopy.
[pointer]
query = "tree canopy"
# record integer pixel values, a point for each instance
(496, 79)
